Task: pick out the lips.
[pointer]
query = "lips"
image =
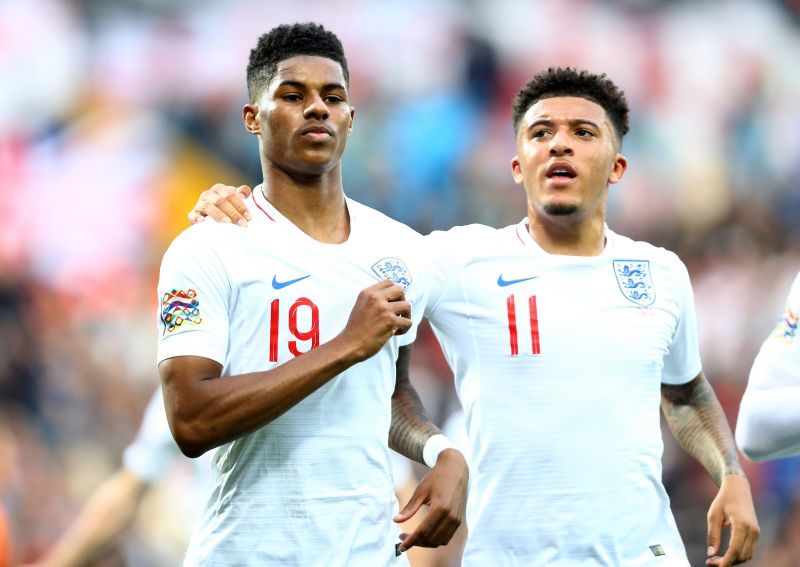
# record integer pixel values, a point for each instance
(561, 169)
(316, 131)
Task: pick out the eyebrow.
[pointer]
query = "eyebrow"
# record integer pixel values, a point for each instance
(572, 122)
(301, 85)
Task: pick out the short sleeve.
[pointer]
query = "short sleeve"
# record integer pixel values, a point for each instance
(768, 425)
(417, 293)
(153, 450)
(443, 254)
(193, 298)
(785, 337)
(682, 363)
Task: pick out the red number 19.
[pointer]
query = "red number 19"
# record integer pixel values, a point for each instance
(311, 334)
(512, 325)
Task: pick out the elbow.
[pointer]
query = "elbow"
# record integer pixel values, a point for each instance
(190, 438)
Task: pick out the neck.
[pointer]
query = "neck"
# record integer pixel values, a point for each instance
(567, 236)
(313, 203)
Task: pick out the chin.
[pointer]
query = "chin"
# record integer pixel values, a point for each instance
(561, 209)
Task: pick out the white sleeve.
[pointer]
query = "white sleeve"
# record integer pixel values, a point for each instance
(444, 250)
(194, 294)
(768, 426)
(682, 363)
(153, 450)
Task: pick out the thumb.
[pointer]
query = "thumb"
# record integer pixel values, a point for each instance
(410, 508)
(714, 533)
(244, 191)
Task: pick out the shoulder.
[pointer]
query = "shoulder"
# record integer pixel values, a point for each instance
(794, 292)
(373, 217)
(660, 258)
(206, 237)
(465, 236)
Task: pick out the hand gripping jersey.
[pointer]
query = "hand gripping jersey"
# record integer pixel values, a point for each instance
(558, 362)
(314, 486)
(768, 426)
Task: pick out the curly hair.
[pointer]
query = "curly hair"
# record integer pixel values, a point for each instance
(289, 40)
(565, 81)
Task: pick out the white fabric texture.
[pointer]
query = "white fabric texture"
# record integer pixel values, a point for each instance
(768, 425)
(314, 486)
(558, 362)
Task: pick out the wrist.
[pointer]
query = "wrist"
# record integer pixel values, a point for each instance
(434, 446)
(348, 351)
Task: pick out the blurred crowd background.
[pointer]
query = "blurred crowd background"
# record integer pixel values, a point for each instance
(115, 115)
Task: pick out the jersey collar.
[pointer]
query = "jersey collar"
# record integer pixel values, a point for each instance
(267, 210)
(523, 238)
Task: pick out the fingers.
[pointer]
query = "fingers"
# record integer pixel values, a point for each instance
(437, 528)
(388, 290)
(244, 191)
(714, 536)
(410, 508)
(740, 548)
(732, 556)
(224, 204)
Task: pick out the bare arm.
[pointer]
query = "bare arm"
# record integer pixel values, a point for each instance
(108, 512)
(205, 411)
(695, 417)
(698, 423)
(411, 426)
(444, 488)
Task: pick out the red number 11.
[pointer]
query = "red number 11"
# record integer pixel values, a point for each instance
(512, 325)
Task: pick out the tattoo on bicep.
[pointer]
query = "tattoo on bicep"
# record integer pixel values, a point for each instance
(695, 417)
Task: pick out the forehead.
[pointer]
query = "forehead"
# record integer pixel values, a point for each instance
(311, 70)
(566, 108)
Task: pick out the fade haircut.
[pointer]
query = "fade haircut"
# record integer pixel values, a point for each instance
(289, 40)
(565, 81)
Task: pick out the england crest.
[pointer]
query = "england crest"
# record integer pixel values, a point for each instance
(394, 270)
(635, 283)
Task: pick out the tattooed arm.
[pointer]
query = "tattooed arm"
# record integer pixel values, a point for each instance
(444, 488)
(411, 426)
(697, 421)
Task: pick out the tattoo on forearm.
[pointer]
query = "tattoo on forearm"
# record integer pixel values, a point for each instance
(696, 419)
(411, 426)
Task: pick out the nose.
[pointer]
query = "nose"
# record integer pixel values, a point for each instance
(316, 108)
(560, 144)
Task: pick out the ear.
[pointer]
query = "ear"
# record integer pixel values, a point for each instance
(352, 118)
(251, 119)
(618, 169)
(516, 170)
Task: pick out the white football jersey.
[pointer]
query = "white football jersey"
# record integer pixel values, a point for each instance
(153, 454)
(154, 451)
(558, 362)
(314, 486)
(768, 426)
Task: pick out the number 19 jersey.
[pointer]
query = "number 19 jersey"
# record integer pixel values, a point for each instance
(312, 487)
(558, 362)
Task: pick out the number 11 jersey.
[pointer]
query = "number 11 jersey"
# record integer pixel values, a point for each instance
(558, 363)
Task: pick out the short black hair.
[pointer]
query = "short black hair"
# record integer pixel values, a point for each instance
(289, 40)
(565, 81)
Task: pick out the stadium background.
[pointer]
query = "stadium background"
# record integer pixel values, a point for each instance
(114, 115)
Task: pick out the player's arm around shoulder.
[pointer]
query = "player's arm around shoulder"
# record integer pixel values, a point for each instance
(696, 419)
(444, 488)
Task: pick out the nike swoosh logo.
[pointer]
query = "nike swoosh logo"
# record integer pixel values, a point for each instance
(280, 285)
(503, 283)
